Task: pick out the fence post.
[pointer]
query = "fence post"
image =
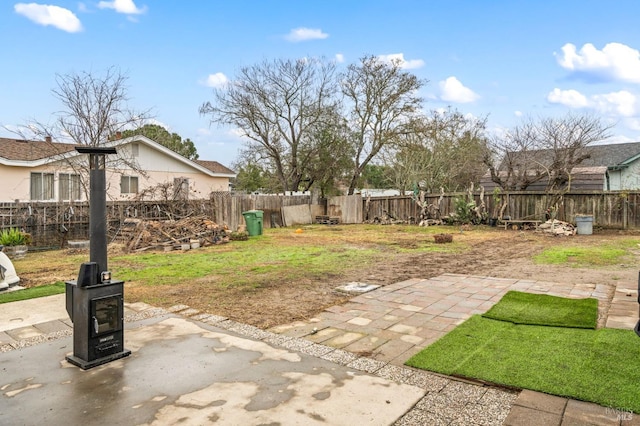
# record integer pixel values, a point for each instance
(625, 212)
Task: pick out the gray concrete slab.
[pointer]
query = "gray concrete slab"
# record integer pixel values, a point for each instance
(188, 372)
(34, 311)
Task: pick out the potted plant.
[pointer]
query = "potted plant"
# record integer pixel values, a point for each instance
(14, 242)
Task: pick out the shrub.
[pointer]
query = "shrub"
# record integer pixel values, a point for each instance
(14, 237)
(463, 210)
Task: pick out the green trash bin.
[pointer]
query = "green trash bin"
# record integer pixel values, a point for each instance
(254, 221)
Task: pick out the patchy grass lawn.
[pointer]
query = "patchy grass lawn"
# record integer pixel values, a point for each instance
(588, 255)
(284, 276)
(269, 279)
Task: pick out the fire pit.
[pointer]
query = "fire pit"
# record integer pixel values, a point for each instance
(95, 302)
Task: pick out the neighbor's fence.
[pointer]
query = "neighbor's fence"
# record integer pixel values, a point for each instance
(52, 224)
(227, 207)
(611, 209)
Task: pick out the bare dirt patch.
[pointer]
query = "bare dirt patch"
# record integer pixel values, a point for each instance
(488, 252)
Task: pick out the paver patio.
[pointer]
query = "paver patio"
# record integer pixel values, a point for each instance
(394, 322)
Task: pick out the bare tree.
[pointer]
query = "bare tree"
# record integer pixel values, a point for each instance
(444, 150)
(547, 149)
(94, 109)
(278, 105)
(382, 100)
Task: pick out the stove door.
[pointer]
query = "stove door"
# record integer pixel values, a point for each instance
(106, 315)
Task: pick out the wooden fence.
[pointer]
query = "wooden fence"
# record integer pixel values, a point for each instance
(52, 224)
(611, 209)
(227, 207)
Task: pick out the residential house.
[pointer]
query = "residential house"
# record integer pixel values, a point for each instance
(610, 167)
(43, 171)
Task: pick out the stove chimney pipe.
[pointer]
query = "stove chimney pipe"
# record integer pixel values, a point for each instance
(97, 206)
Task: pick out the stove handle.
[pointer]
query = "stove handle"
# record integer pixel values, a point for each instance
(95, 324)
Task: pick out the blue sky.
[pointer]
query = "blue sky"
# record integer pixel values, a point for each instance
(502, 59)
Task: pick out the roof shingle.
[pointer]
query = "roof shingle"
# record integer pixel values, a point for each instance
(25, 150)
(215, 167)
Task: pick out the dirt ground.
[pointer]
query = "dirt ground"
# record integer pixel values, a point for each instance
(504, 254)
(501, 253)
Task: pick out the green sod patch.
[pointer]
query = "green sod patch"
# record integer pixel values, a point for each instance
(33, 292)
(541, 309)
(600, 366)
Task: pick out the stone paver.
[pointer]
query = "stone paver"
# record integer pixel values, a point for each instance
(541, 401)
(52, 326)
(583, 413)
(624, 308)
(523, 416)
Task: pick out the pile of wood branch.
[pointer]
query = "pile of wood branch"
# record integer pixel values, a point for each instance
(388, 219)
(557, 227)
(140, 235)
(430, 222)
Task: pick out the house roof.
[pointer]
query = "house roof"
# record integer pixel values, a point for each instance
(215, 167)
(27, 150)
(611, 155)
(583, 178)
(32, 153)
(608, 155)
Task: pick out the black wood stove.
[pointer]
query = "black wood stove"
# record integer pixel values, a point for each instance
(95, 302)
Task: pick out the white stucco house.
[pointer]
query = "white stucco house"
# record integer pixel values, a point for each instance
(53, 171)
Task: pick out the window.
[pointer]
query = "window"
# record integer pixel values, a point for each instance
(128, 184)
(180, 189)
(135, 149)
(68, 187)
(42, 186)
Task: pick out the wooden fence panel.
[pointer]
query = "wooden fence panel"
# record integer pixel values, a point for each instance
(399, 207)
(347, 207)
(611, 209)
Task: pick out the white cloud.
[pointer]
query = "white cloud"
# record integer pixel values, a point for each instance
(633, 124)
(236, 133)
(304, 34)
(616, 61)
(570, 98)
(123, 6)
(339, 58)
(44, 14)
(404, 64)
(621, 103)
(452, 90)
(517, 113)
(216, 80)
